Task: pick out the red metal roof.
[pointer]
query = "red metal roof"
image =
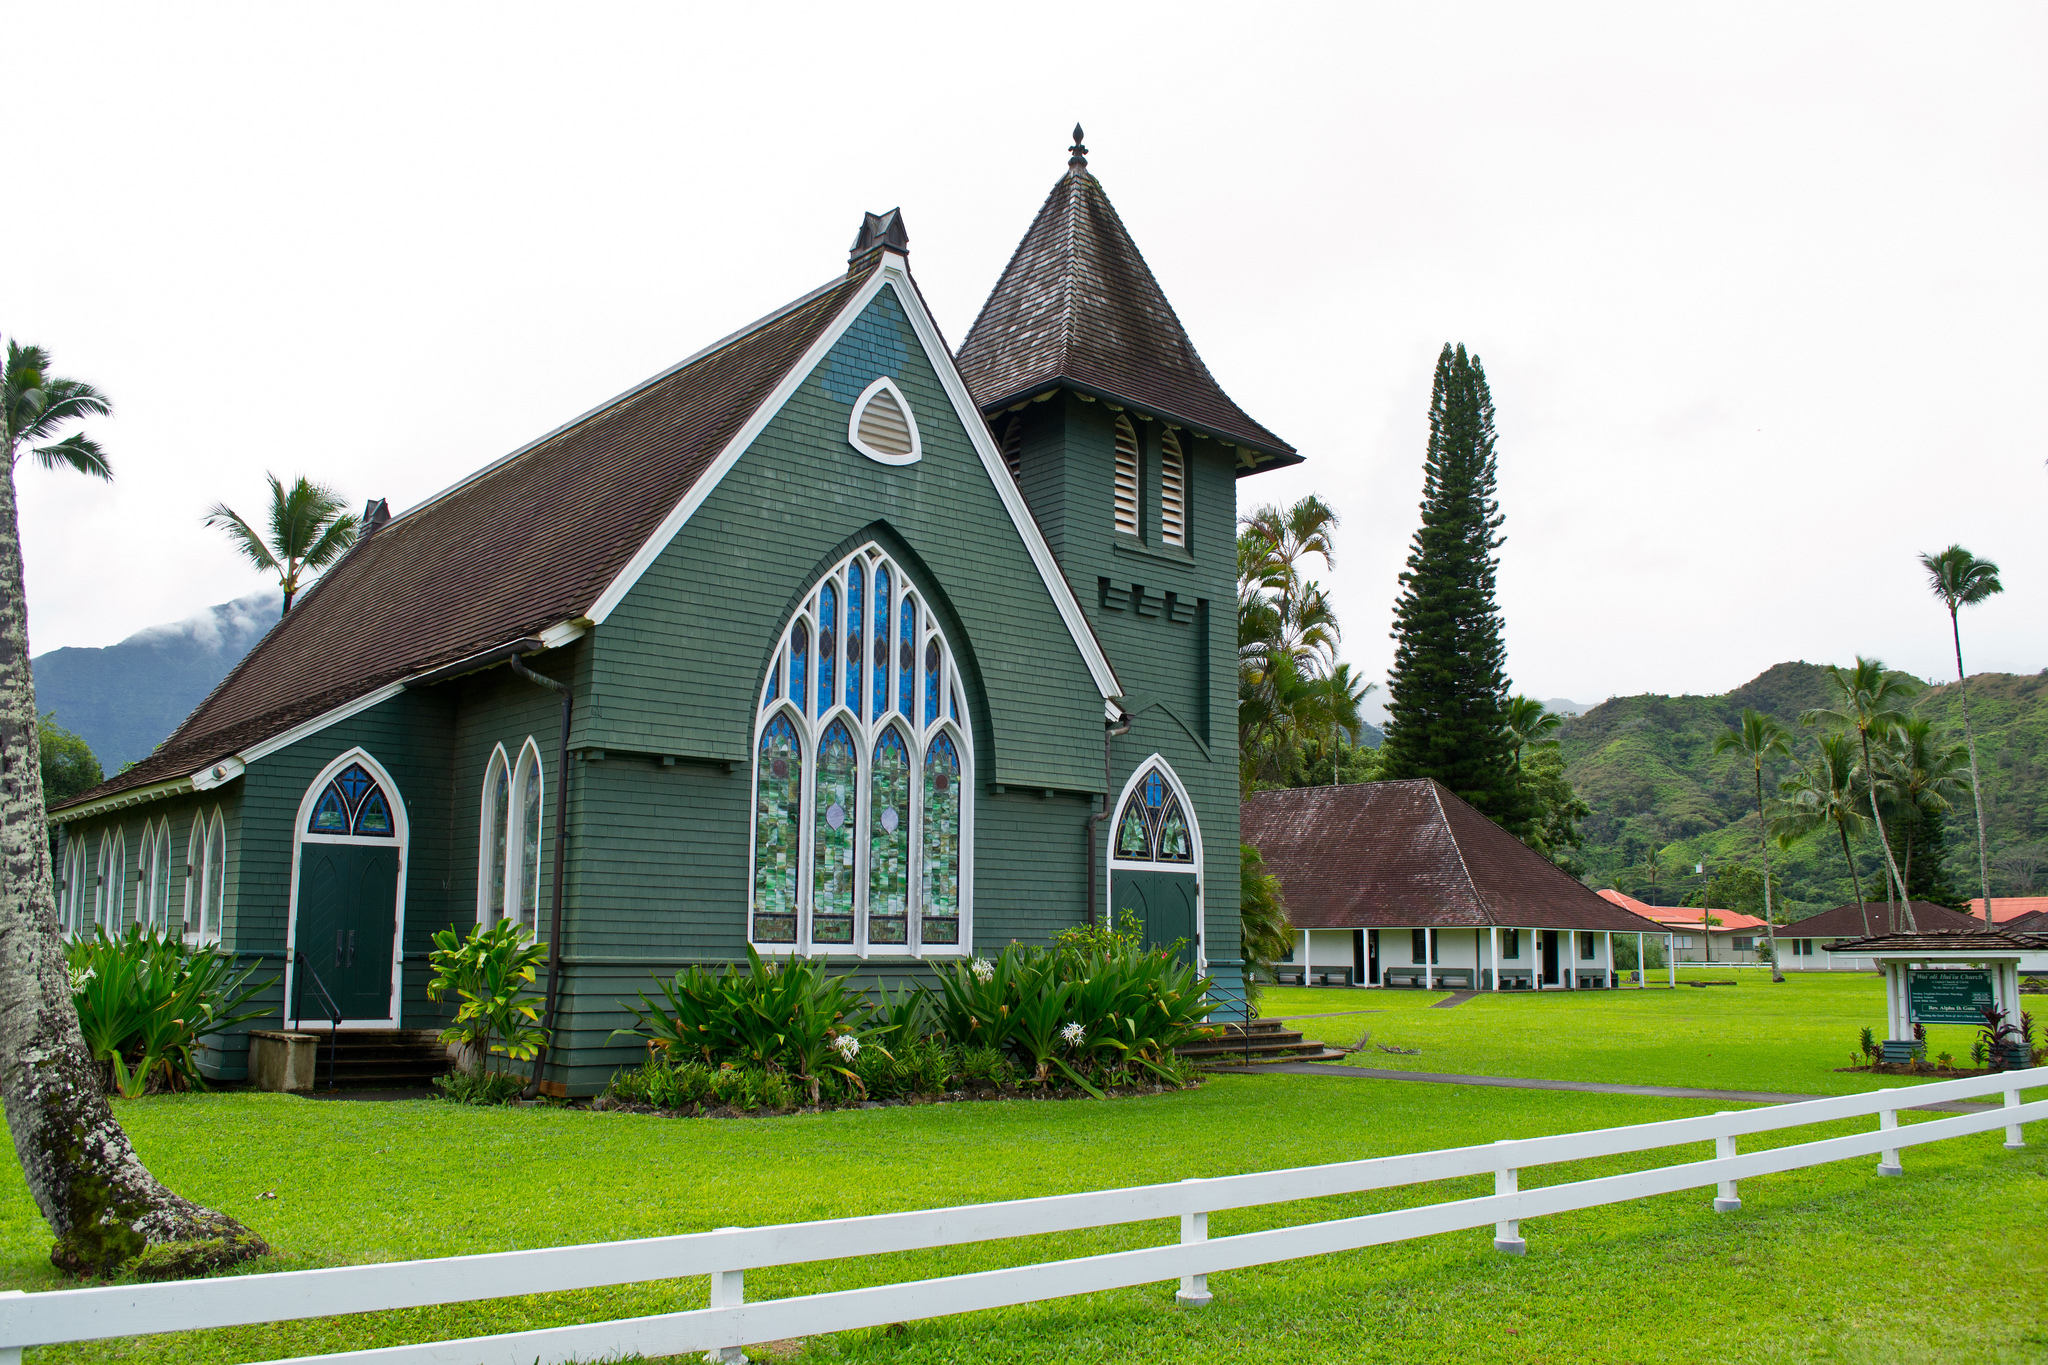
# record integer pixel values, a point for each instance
(1684, 916)
(1399, 855)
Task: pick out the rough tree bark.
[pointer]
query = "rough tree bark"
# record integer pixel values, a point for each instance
(107, 1210)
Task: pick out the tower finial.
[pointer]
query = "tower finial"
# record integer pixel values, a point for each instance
(1077, 158)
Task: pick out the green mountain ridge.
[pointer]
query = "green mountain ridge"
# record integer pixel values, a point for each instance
(1645, 764)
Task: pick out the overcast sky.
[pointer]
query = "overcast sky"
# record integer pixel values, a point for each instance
(1760, 291)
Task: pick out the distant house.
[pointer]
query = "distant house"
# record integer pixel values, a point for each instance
(1403, 884)
(1701, 935)
(1803, 944)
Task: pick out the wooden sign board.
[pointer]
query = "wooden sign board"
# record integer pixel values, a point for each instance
(1949, 997)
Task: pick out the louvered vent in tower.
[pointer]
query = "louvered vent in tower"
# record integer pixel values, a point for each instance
(1013, 446)
(1173, 504)
(1126, 477)
(883, 427)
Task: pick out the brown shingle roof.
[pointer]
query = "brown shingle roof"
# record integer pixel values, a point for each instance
(1078, 303)
(1944, 944)
(1403, 855)
(523, 544)
(1845, 920)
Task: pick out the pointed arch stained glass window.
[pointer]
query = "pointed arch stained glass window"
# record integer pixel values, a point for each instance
(778, 831)
(1175, 845)
(1155, 790)
(931, 680)
(889, 841)
(354, 781)
(330, 813)
(1133, 833)
(939, 894)
(881, 641)
(833, 836)
(906, 656)
(854, 575)
(373, 817)
(828, 625)
(799, 664)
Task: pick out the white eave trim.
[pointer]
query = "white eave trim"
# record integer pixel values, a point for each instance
(176, 786)
(894, 272)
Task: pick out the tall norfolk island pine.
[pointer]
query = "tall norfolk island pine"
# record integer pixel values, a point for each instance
(1448, 688)
(105, 1208)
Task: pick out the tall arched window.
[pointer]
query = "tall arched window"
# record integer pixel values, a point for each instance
(1173, 490)
(214, 904)
(112, 882)
(492, 839)
(71, 911)
(523, 835)
(862, 774)
(195, 877)
(508, 839)
(1126, 477)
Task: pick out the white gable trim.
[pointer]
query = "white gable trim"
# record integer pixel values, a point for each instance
(893, 273)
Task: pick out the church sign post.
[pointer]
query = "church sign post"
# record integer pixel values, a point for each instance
(1948, 996)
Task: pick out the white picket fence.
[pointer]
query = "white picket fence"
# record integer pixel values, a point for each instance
(726, 1255)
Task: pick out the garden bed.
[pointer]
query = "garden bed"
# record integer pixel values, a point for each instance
(968, 1095)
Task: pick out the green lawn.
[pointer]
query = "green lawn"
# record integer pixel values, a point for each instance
(1755, 1035)
(1827, 1264)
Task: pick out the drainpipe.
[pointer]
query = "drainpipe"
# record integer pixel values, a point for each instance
(1096, 818)
(554, 991)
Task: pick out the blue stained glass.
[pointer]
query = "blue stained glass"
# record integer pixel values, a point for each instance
(774, 678)
(881, 640)
(956, 703)
(374, 817)
(906, 658)
(353, 783)
(1155, 790)
(853, 582)
(931, 680)
(799, 663)
(828, 624)
(330, 816)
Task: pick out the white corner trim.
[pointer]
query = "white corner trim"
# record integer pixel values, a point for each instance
(563, 632)
(219, 774)
(860, 405)
(893, 273)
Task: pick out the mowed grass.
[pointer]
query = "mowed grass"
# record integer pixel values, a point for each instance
(1825, 1264)
(1787, 1038)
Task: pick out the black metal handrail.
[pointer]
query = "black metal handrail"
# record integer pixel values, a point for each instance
(305, 969)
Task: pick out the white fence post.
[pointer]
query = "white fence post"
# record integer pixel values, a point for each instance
(2014, 1140)
(1888, 1160)
(10, 1355)
(1194, 1227)
(1507, 1235)
(1726, 1200)
(728, 1290)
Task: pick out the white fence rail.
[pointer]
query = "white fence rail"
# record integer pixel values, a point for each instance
(726, 1255)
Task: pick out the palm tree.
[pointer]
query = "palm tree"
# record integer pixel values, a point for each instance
(1960, 579)
(1530, 726)
(308, 531)
(1760, 738)
(102, 1203)
(1826, 793)
(1869, 706)
(1925, 775)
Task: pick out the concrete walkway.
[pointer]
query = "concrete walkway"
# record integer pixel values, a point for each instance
(1668, 1092)
(1454, 998)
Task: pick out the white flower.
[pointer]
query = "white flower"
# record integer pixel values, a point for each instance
(847, 1046)
(984, 970)
(79, 979)
(1072, 1035)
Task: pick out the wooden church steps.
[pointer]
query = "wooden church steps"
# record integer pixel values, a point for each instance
(1269, 1042)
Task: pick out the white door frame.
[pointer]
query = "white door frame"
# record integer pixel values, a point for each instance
(1113, 864)
(402, 836)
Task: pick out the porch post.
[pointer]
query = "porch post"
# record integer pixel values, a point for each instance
(1613, 977)
(1494, 932)
(1642, 966)
(1428, 958)
(1308, 956)
(1671, 958)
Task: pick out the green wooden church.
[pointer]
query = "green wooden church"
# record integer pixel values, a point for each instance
(827, 640)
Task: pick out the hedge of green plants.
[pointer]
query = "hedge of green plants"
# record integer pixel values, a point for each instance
(147, 1000)
(1094, 1013)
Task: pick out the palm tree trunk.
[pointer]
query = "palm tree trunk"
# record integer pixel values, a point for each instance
(1763, 842)
(1976, 792)
(104, 1206)
(1884, 842)
(1855, 878)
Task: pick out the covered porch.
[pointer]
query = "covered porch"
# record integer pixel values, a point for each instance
(1484, 958)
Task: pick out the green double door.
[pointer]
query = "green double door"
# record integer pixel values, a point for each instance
(348, 914)
(1164, 903)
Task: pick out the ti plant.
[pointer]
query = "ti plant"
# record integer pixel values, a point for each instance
(490, 972)
(146, 1002)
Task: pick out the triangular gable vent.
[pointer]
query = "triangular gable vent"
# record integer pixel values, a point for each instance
(882, 427)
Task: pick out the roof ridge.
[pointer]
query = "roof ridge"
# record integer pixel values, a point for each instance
(1436, 795)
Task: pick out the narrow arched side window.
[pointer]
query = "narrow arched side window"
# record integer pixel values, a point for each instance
(526, 807)
(1173, 490)
(1013, 447)
(867, 846)
(195, 878)
(160, 895)
(1126, 477)
(145, 875)
(75, 877)
(113, 880)
(216, 878)
(492, 840)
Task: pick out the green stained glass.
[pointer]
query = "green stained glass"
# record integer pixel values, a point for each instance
(889, 842)
(330, 816)
(939, 899)
(1133, 837)
(778, 826)
(1175, 846)
(832, 837)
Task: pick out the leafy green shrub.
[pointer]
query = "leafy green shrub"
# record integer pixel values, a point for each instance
(490, 972)
(146, 1001)
(986, 1065)
(480, 1086)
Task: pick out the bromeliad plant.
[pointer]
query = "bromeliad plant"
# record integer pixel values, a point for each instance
(490, 972)
(146, 1001)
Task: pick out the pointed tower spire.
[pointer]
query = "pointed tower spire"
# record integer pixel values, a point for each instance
(1077, 307)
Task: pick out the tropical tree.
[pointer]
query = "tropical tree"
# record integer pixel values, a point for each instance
(1267, 936)
(1960, 579)
(1760, 739)
(308, 531)
(104, 1206)
(1530, 725)
(1870, 705)
(1925, 775)
(1826, 794)
(69, 765)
